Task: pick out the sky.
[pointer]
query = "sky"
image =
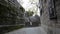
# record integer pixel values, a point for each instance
(28, 6)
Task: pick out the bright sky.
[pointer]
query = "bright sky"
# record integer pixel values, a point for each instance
(28, 6)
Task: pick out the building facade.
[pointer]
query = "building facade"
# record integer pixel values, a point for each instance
(11, 12)
(50, 16)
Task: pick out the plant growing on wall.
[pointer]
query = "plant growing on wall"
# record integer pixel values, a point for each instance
(29, 13)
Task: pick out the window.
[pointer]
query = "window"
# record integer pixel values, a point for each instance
(52, 11)
(41, 12)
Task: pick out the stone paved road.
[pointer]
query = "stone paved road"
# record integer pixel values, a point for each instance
(30, 30)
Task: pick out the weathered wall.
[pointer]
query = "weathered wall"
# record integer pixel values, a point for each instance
(11, 12)
(50, 24)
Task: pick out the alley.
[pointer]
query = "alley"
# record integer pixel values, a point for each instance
(30, 30)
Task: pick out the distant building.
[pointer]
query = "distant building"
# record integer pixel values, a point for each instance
(32, 21)
(50, 16)
(35, 20)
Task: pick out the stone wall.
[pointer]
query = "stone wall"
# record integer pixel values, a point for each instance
(50, 16)
(11, 12)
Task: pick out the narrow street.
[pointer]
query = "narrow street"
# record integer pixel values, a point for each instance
(30, 30)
